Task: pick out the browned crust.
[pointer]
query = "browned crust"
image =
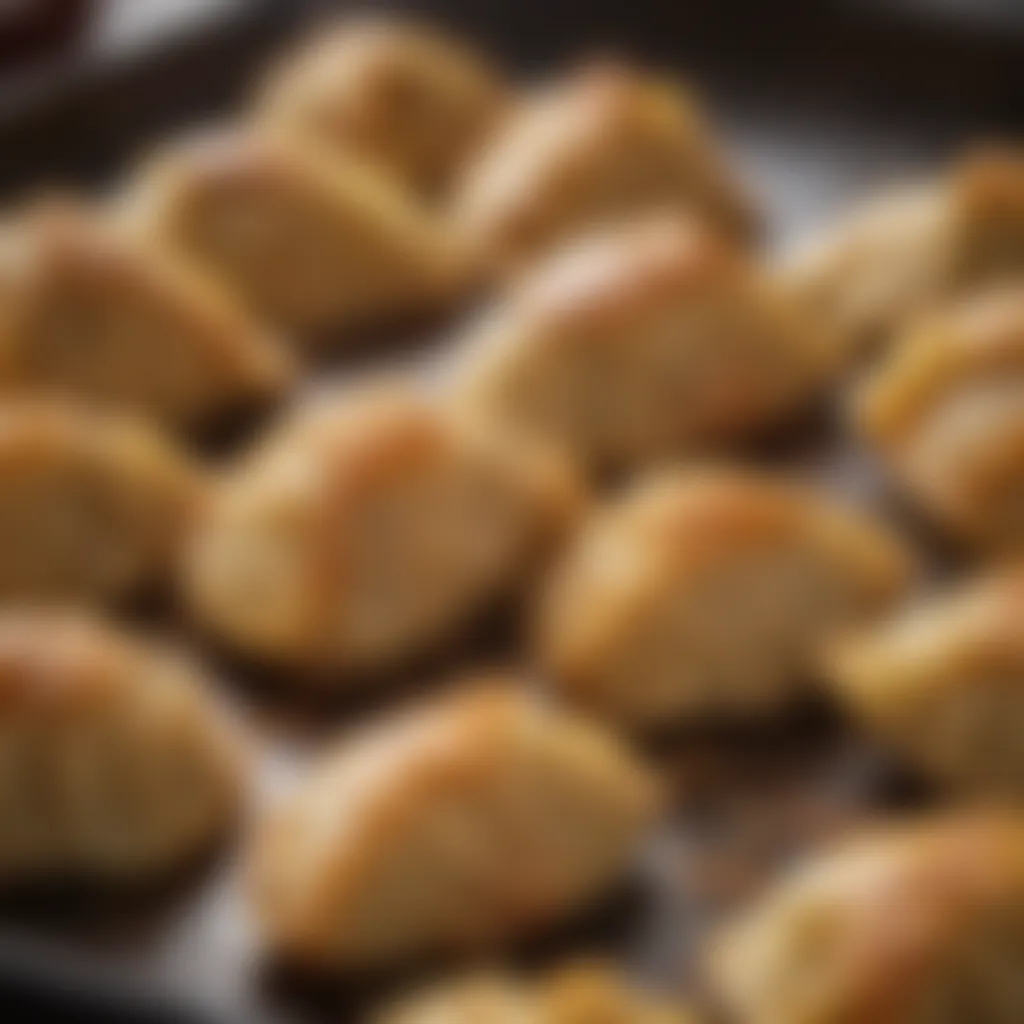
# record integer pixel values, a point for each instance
(34, 430)
(354, 446)
(901, 253)
(62, 671)
(162, 491)
(896, 905)
(694, 517)
(967, 636)
(343, 80)
(163, 201)
(60, 240)
(56, 661)
(532, 167)
(977, 338)
(675, 528)
(988, 184)
(377, 439)
(458, 741)
(617, 274)
(634, 293)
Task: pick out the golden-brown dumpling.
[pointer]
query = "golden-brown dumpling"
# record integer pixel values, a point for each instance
(92, 507)
(923, 925)
(575, 995)
(946, 410)
(114, 764)
(461, 823)
(607, 144)
(312, 241)
(369, 529)
(409, 98)
(943, 684)
(915, 245)
(87, 311)
(708, 591)
(649, 339)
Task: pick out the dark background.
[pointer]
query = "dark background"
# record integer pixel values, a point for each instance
(819, 97)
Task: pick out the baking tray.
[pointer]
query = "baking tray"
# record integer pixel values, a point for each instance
(816, 105)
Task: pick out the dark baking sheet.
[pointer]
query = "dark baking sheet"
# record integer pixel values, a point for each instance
(817, 106)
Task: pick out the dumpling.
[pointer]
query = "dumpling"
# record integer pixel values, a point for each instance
(462, 823)
(575, 995)
(640, 342)
(314, 242)
(607, 144)
(871, 270)
(409, 98)
(369, 529)
(915, 245)
(92, 507)
(921, 925)
(988, 218)
(708, 592)
(89, 312)
(114, 764)
(946, 412)
(943, 684)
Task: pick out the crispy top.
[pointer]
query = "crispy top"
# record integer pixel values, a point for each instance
(975, 339)
(882, 917)
(971, 635)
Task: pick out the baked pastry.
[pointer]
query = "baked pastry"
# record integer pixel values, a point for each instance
(409, 98)
(920, 925)
(946, 411)
(943, 684)
(607, 144)
(575, 995)
(369, 529)
(708, 592)
(89, 312)
(92, 507)
(642, 341)
(915, 245)
(462, 823)
(116, 764)
(315, 242)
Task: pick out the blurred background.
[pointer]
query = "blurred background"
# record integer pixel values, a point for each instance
(819, 97)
